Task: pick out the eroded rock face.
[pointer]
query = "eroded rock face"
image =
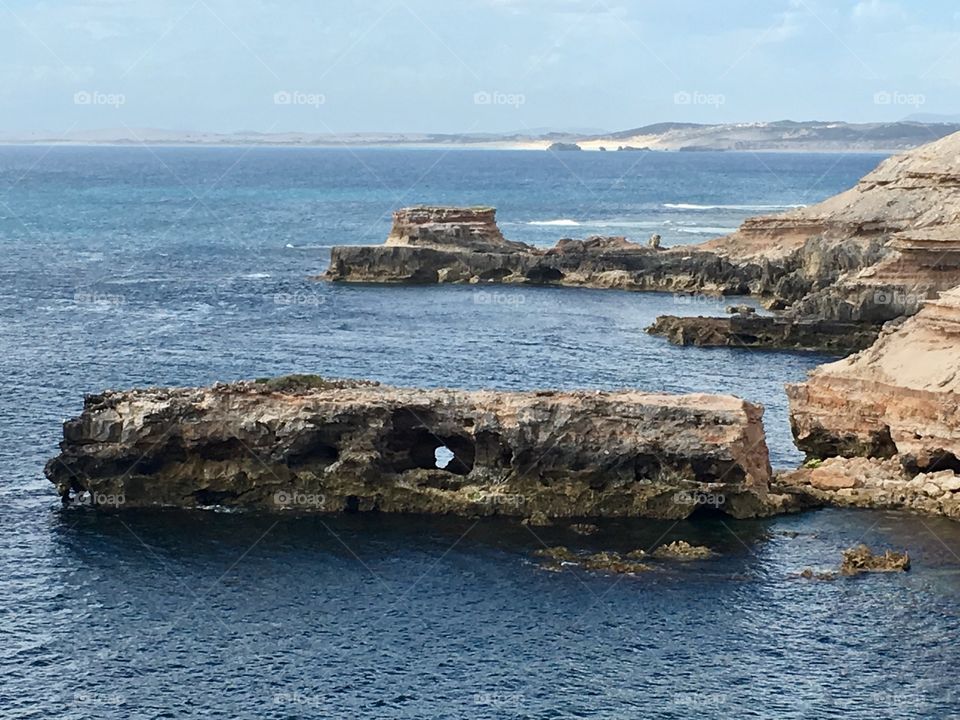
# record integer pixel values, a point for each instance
(452, 255)
(753, 331)
(313, 445)
(875, 483)
(897, 398)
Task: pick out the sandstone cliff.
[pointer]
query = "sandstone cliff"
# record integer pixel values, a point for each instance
(897, 400)
(313, 445)
(898, 397)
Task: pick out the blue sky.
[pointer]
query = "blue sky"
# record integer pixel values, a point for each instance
(470, 65)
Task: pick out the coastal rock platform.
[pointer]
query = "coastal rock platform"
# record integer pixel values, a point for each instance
(308, 444)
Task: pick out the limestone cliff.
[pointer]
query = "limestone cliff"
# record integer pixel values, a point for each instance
(898, 397)
(896, 403)
(313, 445)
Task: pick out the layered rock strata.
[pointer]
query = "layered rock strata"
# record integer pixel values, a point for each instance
(313, 445)
(897, 400)
(425, 246)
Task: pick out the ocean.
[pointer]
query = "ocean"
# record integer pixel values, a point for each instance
(133, 266)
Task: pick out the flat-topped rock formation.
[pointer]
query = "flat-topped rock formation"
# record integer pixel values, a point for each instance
(472, 229)
(765, 332)
(312, 445)
(898, 400)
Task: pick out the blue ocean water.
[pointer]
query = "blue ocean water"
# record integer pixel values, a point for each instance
(131, 266)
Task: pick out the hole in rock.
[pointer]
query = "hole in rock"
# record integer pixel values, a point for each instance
(412, 442)
(544, 275)
(351, 504)
(443, 456)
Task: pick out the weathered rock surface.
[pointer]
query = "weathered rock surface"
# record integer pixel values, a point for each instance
(861, 559)
(308, 444)
(888, 417)
(451, 245)
(559, 558)
(876, 483)
(897, 398)
(765, 332)
(682, 550)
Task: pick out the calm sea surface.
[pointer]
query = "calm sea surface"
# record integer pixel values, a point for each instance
(136, 266)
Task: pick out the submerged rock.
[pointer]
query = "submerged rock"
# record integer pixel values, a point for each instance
(861, 559)
(308, 444)
(584, 528)
(682, 550)
(606, 561)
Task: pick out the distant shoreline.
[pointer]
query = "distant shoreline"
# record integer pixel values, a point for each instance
(513, 147)
(757, 137)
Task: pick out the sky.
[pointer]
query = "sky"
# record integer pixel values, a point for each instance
(457, 66)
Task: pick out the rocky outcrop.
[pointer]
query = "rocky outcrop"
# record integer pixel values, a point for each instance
(871, 254)
(308, 444)
(897, 400)
(433, 245)
(861, 559)
(764, 332)
(874, 483)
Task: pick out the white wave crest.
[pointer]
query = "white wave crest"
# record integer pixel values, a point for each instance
(750, 208)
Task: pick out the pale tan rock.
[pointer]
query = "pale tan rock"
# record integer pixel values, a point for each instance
(900, 397)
